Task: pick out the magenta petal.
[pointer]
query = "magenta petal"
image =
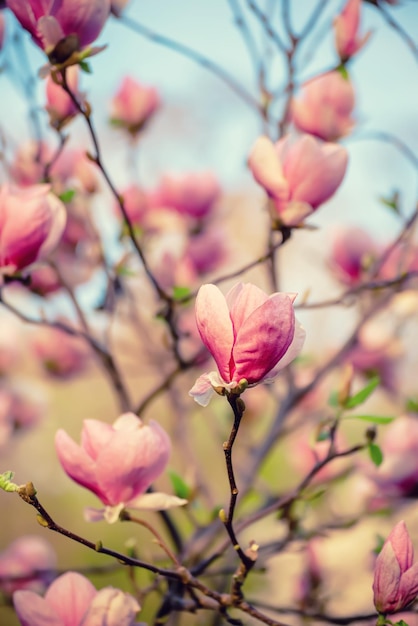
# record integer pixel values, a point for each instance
(86, 18)
(70, 596)
(386, 579)
(402, 545)
(32, 610)
(264, 338)
(215, 326)
(76, 463)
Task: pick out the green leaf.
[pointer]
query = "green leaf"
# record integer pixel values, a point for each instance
(376, 454)
(362, 395)
(379, 544)
(374, 419)
(401, 623)
(6, 482)
(180, 292)
(85, 67)
(180, 487)
(412, 405)
(343, 71)
(67, 196)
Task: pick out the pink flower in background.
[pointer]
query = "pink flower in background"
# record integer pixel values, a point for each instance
(192, 195)
(346, 26)
(352, 251)
(30, 159)
(62, 355)
(60, 107)
(51, 22)
(136, 205)
(72, 600)
(397, 476)
(250, 335)
(28, 563)
(395, 583)
(133, 105)
(118, 463)
(325, 107)
(32, 221)
(401, 259)
(299, 174)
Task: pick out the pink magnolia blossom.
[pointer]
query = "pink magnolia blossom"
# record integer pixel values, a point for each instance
(61, 355)
(395, 583)
(32, 221)
(251, 336)
(118, 463)
(133, 105)
(352, 251)
(50, 22)
(72, 600)
(346, 26)
(60, 107)
(30, 160)
(192, 194)
(325, 107)
(299, 174)
(397, 476)
(28, 563)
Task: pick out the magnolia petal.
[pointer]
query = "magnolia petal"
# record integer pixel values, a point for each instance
(264, 338)
(32, 610)
(215, 326)
(292, 352)
(111, 607)
(202, 391)
(70, 596)
(155, 502)
(267, 170)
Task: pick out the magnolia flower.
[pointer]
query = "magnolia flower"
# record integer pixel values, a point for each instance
(352, 250)
(73, 23)
(133, 105)
(192, 195)
(346, 25)
(72, 600)
(28, 563)
(60, 107)
(298, 174)
(251, 336)
(118, 463)
(325, 107)
(32, 221)
(395, 583)
(61, 354)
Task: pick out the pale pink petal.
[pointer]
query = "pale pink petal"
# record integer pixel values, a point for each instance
(76, 463)
(202, 391)
(294, 213)
(215, 326)
(92, 514)
(94, 436)
(32, 610)
(242, 300)
(69, 596)
(131, 461)
(111, 607)
(155, 502)
(314, 169)
(58, 222)
(267, 169)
